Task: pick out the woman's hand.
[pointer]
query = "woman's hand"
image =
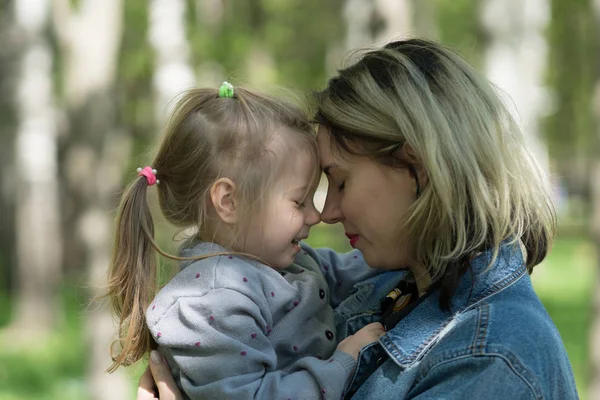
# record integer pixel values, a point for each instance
(367, 335)
(158, 378)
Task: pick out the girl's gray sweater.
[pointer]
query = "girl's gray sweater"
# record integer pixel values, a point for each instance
(232, 328)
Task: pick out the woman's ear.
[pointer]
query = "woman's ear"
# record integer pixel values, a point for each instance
(408, 156)
(222, 196)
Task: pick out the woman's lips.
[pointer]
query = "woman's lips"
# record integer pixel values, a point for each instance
(353, 239)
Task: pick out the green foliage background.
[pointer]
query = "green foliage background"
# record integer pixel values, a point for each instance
(297, 35)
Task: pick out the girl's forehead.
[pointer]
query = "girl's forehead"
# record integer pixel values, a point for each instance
(301, 164)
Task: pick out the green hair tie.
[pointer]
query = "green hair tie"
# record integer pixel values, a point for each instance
(226, 90)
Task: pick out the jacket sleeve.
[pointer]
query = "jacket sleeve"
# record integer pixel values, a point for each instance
(219, 345)
(341, 270)
(477, 377)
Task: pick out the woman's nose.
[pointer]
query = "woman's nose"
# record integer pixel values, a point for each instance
(331, 213)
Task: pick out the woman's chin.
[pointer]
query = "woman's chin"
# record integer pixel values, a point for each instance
(371, 261)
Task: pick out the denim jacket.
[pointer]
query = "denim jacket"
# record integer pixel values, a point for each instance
(496, 342)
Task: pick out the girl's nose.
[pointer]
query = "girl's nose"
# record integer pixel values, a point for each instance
(313, 217)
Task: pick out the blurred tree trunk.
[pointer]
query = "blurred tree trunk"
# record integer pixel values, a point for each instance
(425, 19)
(381, 21)
(38, 236)
(172, 72)
(358, 15)
(392, 20)
(515, 60)
(594, 382)
(94, 155)
(10, 53)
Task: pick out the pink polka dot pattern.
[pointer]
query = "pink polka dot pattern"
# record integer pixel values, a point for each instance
(295, 303)
(197, 344)
(253, 335)
(272, 294)
(245, 279)
(295, 348)
(243, 353)
(154, 306)
(198, 275)
(158, 334)
(212, 317)
(326, 267)
(230, 257)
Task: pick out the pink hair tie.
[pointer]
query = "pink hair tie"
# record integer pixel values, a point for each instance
(150, 175)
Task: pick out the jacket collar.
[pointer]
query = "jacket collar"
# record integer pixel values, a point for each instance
(409, 340)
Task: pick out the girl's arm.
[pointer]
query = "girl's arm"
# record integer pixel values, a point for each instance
(341, 270)
(218, 347)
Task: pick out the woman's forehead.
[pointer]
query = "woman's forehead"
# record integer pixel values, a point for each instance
(330, 153)
(324, 141)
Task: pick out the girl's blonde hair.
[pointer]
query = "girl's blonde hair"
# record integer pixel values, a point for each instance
(483, 185)
(249, 138)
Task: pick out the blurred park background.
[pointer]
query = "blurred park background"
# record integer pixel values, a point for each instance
(84, 90)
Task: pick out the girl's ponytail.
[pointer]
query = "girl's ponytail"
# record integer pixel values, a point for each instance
(132, 275)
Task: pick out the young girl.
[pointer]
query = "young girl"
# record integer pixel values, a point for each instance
(250, 315)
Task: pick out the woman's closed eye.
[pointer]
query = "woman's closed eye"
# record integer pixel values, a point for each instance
(341, 186)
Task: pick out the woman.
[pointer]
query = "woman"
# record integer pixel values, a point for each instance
(429, 174)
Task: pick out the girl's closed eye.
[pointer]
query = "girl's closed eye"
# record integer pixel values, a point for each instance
(341, 186)
(300, 204)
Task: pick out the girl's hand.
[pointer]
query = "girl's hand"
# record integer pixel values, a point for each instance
(157, 382)
(367, 335)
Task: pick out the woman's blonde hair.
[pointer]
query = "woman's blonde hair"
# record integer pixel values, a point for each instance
(249, 138)
(483, 185)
